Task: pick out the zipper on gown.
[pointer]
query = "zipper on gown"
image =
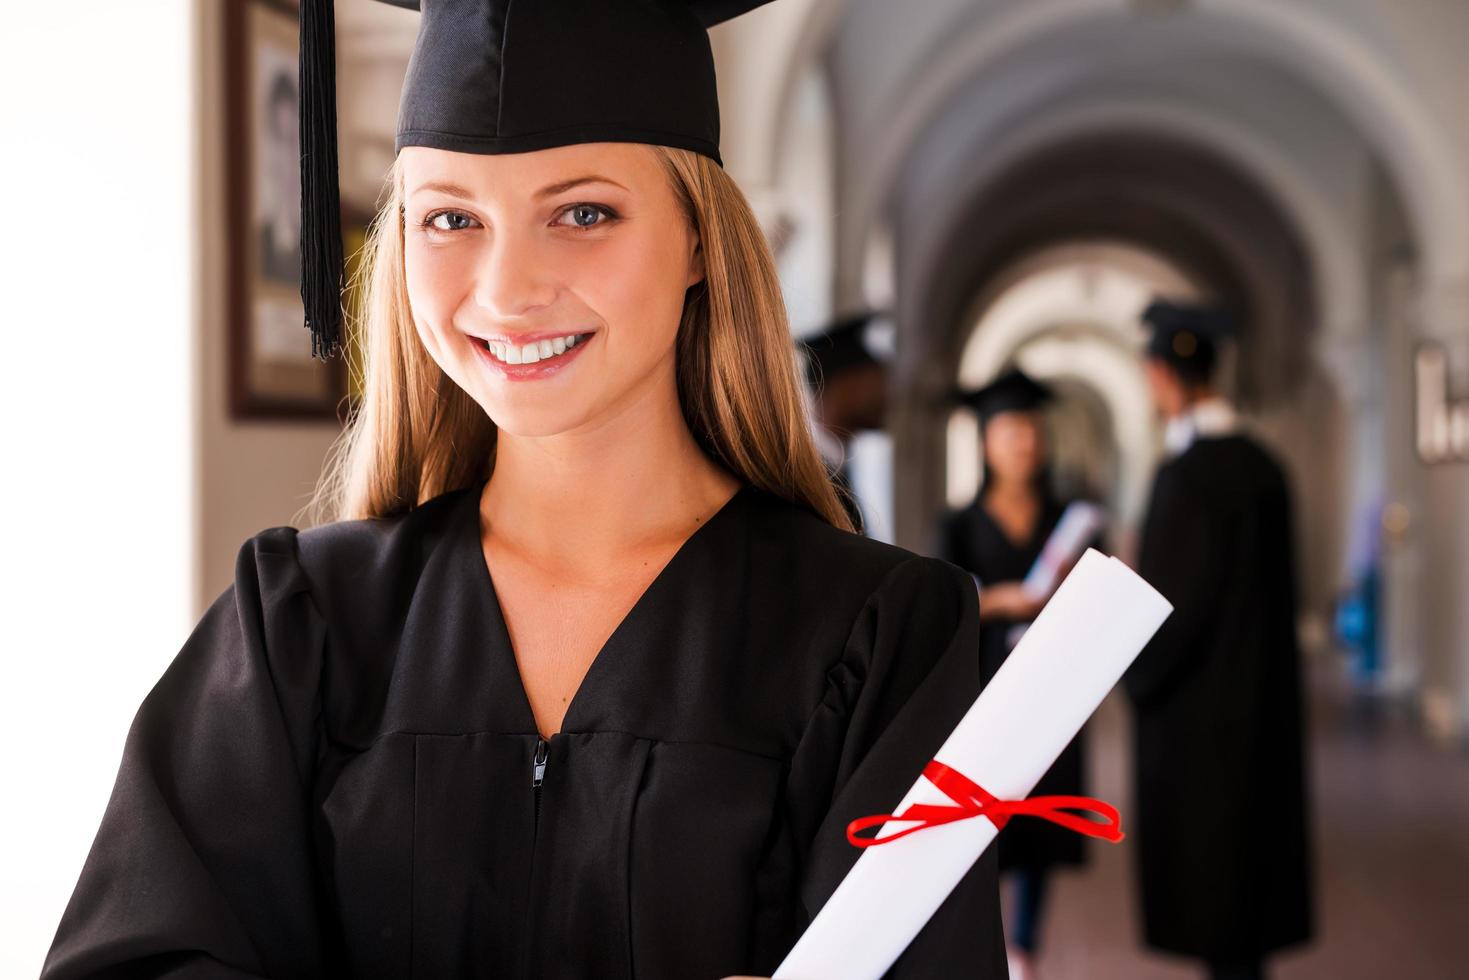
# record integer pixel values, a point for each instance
(538, 775)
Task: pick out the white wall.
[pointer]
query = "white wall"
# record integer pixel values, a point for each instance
(97, 267)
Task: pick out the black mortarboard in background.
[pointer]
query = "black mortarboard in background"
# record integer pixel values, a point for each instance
(841, 346)
(493, 76)
(1187, 335)
(1013, 391)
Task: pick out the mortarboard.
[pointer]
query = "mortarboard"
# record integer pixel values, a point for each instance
(493, 76)
(1186, 335)
(840, 347)
(1013, 391)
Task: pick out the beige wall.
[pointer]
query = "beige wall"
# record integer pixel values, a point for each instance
(251, 475)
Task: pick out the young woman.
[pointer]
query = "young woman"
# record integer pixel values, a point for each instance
(588, 675)
(998, 538)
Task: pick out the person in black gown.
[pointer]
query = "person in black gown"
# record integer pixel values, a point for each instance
(1221, 827)
(998, 538)
(588, 675)
(849, 395)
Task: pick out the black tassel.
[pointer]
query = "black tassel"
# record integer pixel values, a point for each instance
(321, 207)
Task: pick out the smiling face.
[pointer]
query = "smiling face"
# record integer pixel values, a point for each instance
(549, 285)
(1015, 445)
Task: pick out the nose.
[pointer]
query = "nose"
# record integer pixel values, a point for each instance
(515, 278)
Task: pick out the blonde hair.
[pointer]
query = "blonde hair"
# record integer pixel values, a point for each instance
(416, 434)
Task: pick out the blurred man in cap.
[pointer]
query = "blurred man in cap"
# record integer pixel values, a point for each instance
(849, 393)
(1223, 847)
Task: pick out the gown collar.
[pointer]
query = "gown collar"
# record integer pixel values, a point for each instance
(1207, 418)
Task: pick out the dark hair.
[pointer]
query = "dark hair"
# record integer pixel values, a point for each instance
(1184, 336)
(1195, 370)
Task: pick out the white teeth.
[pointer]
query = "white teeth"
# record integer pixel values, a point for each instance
(539, 350)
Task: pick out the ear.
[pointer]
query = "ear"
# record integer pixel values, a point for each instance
(696, 264)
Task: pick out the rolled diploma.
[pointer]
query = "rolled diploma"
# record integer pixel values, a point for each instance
(1078, 523)
(1075, 651)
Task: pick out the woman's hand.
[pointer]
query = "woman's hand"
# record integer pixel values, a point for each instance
(1009, 600)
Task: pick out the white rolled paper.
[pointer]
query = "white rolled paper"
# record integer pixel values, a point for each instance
(1079, 522)
(1075, 651)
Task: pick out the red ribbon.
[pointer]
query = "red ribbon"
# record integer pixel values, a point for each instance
(972, 800)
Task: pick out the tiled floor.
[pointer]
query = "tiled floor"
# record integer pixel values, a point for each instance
(1392, 848)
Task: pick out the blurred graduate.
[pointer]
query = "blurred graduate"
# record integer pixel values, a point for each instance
(1221, 818)
(848, 386)
(998, 538)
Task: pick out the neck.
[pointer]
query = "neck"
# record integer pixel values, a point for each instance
(1010, 488)
(1193, 397)
(592, 495)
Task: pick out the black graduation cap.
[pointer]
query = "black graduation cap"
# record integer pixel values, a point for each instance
(1013, 391)
(840, 347)
(1187, 335)
(495, 76)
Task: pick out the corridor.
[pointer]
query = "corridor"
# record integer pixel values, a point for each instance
(1392, 858)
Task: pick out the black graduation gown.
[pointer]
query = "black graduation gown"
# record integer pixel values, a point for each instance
(971, 539)
(1221, 818)
(335, 774)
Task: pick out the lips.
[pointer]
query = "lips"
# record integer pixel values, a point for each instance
(538, 369)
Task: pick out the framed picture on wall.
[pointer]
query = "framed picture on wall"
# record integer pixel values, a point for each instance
(271, 371)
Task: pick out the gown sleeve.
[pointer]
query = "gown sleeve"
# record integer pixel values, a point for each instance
(202, 865)
(1183, 555)
(948, 541)
(909, 672)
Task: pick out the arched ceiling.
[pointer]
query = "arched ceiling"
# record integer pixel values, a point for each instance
(1161, 195)
(1315, 78)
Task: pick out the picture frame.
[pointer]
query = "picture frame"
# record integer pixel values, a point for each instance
(271, 372)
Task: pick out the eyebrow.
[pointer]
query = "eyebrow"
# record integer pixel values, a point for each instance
(456, 190)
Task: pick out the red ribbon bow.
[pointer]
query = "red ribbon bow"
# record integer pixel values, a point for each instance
(972, 800)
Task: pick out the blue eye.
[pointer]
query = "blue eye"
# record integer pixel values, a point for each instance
(430, 220)
(589, 212)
